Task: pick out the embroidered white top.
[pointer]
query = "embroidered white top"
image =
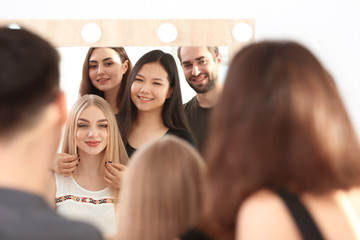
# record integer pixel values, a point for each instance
(94, 207)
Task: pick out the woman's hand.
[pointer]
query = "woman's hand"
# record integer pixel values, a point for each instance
(113, 174)
(65, 164)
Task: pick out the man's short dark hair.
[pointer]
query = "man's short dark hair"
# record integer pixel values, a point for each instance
(29, 77)
(213, 50)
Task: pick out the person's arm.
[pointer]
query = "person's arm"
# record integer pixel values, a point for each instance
(65, 164)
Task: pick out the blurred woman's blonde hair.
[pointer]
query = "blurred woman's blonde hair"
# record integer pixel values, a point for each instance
(162, 195)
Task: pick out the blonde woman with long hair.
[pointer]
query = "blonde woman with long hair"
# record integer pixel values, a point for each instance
(162, 191)
(92, 133)
(105, 73)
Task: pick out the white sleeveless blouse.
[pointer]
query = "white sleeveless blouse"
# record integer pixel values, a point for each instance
(77, 203)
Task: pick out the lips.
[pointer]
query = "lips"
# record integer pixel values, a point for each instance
(198, 79)
(144, 99)
(93, 143)
(102, 80)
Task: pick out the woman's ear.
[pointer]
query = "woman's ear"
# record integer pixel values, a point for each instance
(125, 66)
(170, 92)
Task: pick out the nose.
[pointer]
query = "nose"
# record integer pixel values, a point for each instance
(92, 132)
(100, 70)
(195, 70)
(144, 88)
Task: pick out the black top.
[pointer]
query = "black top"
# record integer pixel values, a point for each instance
(302, 217)
(26, 216)
(194, 234)
(183, 134)
(198, 118)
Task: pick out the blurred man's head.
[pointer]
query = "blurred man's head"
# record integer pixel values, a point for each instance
(32, 109)
(29, 78)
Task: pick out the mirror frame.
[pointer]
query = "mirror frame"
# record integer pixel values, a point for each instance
(138, 32)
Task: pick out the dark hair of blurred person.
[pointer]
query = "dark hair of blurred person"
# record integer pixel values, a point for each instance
(33, 110)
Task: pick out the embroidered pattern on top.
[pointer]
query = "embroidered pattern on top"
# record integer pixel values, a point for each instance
(83, 199)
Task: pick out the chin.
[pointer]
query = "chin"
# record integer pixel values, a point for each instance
(92, 151)
(102, 88)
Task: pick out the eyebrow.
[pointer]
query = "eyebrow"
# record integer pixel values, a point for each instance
(105, 59)
(196, 59)
(159, 79)
(85, 120)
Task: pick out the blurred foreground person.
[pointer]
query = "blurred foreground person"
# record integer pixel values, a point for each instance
(162, 192)
(33, 111)
(283, 157)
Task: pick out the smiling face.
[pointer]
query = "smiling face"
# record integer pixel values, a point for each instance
(92, 133)
(105, 69)
(150, 88)
(200, 68)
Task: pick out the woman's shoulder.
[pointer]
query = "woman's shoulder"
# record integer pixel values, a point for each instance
(260, 203)
(261, 196)
(265, 210)
(182, 133)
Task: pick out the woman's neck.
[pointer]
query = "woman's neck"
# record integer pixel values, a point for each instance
(147, 126)
(90, 164)
(210, 98)
(149, 120)
(111, 98)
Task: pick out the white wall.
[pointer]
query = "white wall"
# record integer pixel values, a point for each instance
(330, 28)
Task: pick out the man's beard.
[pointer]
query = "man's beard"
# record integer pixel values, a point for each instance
(212, 79)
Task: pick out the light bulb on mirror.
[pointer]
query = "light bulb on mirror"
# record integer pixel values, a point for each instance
(242, 32)
(167, 32)
(14, 26)
(91, 32)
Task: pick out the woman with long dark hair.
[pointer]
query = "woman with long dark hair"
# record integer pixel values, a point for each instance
(152, 103)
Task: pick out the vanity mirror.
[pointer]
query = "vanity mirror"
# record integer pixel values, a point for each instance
(74, 37)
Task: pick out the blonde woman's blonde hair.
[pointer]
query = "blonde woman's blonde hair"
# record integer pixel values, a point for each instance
(162, 192)
(115, 150)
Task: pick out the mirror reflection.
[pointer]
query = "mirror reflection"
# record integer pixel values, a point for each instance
(72, 60)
